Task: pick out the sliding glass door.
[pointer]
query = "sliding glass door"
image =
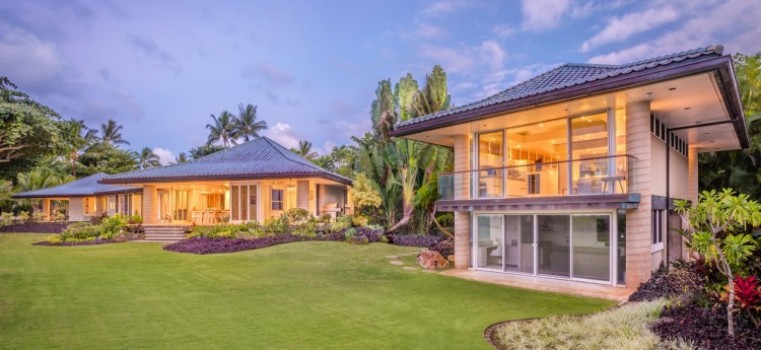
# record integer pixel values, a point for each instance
(576, 246)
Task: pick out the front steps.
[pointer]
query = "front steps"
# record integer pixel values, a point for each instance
(164, 233)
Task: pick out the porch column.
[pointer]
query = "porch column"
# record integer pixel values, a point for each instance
(694, 188)
(638, 221)
(462, 191)
(302, 194)
(150, 209)
(46, 208)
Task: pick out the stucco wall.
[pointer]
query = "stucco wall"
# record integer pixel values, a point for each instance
(76, 209)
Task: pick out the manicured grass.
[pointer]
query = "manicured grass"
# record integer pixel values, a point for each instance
(306, 295)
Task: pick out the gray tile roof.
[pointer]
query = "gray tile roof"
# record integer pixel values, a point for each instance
(567, 75)
(86, 186)
(260, 158)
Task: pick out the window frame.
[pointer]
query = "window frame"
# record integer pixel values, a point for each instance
(280, 201)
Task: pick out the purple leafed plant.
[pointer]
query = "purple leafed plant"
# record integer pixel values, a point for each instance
(423, 241)
(206, 245)
(72, 244)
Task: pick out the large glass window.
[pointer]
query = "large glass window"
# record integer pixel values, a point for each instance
(591, 247)
(490, 243)
(554, 249)
(589, 137)
(490, 163)
(519, 243)
(535, 155)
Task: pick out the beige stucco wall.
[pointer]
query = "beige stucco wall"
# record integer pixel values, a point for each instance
(462, 185)
(638, 224)
(150, 210)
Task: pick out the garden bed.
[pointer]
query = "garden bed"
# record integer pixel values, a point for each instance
(36, 227)
(75, 244)
(219, 245)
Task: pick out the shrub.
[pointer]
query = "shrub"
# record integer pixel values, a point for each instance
(341, 223)
(38, 216)
(446, 219)
(359, 220)
(6, 219)
(706, 327)
(135, 220)
(359, 239)
(80, 231)
(422, 241)
(23, 215)
(112, 226)
(28, 208)
(58, 216)
(54, 239)
(682, 278)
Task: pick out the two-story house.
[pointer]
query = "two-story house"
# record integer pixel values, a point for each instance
(572, 174)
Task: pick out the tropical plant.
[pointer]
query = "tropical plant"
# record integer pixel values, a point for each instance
(717, 225)
(223, 129)
(41, 177)
(106, 158)
(182, 157)
(305, 150)
(365, 194)
(247, 126)
(204, 150)
(111, 133)
(147, 159)
(81, 137)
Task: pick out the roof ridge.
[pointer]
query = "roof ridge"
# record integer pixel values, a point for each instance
(306, 162)
(718, 49)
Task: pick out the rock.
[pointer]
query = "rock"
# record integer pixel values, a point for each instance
(392, 257)
(451, 258)
(396, 262)
(431, 260)
(410, 268)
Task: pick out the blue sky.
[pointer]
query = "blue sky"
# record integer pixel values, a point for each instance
(161, 67)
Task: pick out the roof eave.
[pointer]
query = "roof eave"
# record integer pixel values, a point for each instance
(703, 64)
(162, 179)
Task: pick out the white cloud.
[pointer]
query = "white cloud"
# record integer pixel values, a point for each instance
(543, 14)
(27, 60)
(442, 7)
(707, 25)
(165, 155)
(464, 60)
(621, 28)
(430, 31)
(283, 134)
(503, 31)
(493, 54)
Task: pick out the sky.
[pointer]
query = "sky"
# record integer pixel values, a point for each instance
(160, 68)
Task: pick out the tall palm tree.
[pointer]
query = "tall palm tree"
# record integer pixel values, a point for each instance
(39, 178)
(111, 133)
(181, 158)
(248, 127)
(223, 129)
(305, 150)
(147, 159)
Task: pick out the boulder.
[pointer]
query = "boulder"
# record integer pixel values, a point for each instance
(431, 260)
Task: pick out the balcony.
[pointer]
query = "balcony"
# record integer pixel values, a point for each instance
(579, 177)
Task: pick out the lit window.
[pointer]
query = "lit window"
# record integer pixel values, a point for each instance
(277, 199)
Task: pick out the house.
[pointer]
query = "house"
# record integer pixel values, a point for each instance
(572, 174)
(249, 182)
(87, 198)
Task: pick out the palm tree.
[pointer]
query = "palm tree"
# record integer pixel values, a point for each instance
(248, 127)
(305, 150)
(181, 158)
(111, 133)
(147, 159)
(223, 129)
(39, 178)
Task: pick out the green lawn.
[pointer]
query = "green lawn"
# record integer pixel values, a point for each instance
(309, 295)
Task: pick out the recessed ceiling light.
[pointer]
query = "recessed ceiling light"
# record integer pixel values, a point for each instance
(672, 88)
(687, 108)
(698, 122)
(710, 141)
(706, 133)
(484, 125)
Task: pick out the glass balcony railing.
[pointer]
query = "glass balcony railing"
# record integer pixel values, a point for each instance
(588, 176)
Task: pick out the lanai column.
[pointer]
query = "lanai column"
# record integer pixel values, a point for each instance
(46, 208)
(638, 221)
(150, 209)
(462, 191)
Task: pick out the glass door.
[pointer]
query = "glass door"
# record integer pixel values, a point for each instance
(489, 242)
(164, 213)
(554, 245)
(490, 163)
(180, 205)
(519, 243)
(589, 144)
(591, 247)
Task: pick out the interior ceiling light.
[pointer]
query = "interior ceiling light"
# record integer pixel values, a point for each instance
(672, 88)
(687, 108)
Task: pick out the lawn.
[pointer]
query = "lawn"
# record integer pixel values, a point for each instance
(306, 295)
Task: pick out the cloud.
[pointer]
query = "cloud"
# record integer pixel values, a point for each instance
(464, 60)
(271, 74)
(430, 31)
(622, 28)
(443, 7)
(543, 14)
(283, 134)
(150, 48)
(707, 24)
(165, 155)
(493, 54)
(28, 61)
(503, 31)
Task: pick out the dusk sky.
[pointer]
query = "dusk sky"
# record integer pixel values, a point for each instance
(161, 67)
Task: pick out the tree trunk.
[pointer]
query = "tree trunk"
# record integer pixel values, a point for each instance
(727, 270)
(441, 228)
